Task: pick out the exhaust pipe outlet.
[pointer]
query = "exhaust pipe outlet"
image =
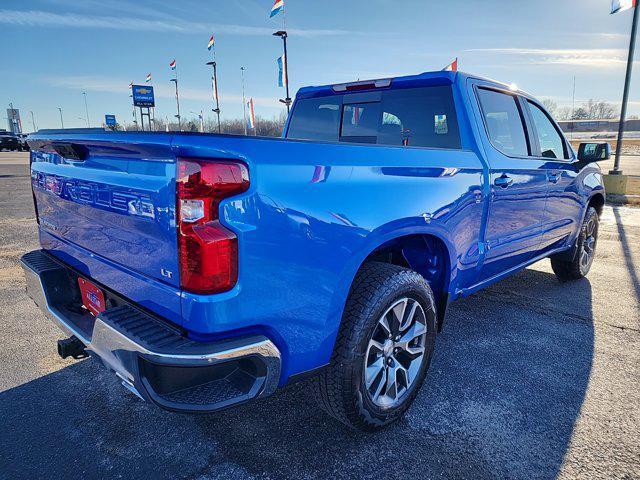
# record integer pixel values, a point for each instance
(72, 347)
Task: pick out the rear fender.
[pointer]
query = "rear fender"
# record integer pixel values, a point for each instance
(376, 239)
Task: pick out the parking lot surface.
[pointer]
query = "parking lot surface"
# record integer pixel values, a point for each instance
(531, 379)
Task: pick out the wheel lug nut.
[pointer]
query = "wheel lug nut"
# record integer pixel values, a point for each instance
(398, 338)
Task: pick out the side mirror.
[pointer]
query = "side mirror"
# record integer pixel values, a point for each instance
(592, 152)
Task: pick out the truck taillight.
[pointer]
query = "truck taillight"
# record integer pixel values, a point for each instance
(208, 250)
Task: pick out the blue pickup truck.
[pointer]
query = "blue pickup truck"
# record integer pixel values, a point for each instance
(208, 270)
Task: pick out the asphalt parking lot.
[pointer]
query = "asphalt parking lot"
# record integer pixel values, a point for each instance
(531, 379)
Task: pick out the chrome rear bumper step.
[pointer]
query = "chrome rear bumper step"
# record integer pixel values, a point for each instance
(152, 358)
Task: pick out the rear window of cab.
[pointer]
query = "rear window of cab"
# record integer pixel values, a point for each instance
(414, 117)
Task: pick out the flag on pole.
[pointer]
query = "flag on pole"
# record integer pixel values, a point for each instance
(172, 65)
(452, 67)
(251, 120)
(148, 78)
(211, 42)
(282, 74)
(277, 8)
(622, 5)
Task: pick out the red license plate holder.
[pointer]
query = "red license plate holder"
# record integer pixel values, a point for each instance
(92, 297)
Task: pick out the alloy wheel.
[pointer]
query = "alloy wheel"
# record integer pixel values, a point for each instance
(395, 352)
(588, 245)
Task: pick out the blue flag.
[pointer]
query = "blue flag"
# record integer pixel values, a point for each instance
(282, 74)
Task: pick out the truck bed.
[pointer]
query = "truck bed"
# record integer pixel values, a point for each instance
(318, 206)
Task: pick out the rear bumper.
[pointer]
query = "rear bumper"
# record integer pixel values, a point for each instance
(153, 359)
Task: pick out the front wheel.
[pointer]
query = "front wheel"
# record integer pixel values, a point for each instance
(383, 350)
(581, 263)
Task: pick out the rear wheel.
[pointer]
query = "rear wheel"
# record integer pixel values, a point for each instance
(581, 263)
(383, 350)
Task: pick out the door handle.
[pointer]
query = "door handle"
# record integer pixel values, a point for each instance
(503, 181)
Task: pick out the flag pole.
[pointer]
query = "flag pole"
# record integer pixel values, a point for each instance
(286, 67)
(573, 105)
(285, 61)
(244, 103)
(133, 105)
(283, 34)
(625, 96)
(214, 88)
(214, 91)
(175, 80)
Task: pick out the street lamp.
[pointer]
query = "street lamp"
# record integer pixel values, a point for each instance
(244, 103)
(625, 96)
(283, 34)
(61, 120)
(86, 108)
(214, 85)
(175, 80)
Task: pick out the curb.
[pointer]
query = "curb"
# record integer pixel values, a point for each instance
(614, 199)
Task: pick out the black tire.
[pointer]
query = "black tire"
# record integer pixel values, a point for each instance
(340, 388)
(577, 268)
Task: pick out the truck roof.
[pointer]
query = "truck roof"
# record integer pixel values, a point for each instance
(435, 78)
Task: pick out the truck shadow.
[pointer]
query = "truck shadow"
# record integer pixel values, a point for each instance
(500, 400)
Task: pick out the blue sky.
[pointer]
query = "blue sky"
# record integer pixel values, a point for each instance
(53, 50)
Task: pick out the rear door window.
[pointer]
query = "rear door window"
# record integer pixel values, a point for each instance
(419, 117)
(504, 122)
(416, 117)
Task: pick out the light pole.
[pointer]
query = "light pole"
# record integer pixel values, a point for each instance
(283, 34)
(625, 96)
(175, 80)
(573, 105)
(244, 103)
(86, 108)
(61, 119)
(214, 86)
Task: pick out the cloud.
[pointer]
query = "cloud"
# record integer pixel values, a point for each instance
(39, 18)
(595, 57)
(121, 86)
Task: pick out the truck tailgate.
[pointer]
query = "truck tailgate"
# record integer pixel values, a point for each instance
(110, 198)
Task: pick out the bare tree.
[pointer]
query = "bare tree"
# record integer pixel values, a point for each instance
(264, 127)
(580, 113)
(564, 113)
(595, 110)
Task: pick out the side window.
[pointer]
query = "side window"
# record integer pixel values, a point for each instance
(503, 121)
(551, 143)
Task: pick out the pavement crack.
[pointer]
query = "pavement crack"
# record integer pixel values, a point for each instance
(622, 327)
